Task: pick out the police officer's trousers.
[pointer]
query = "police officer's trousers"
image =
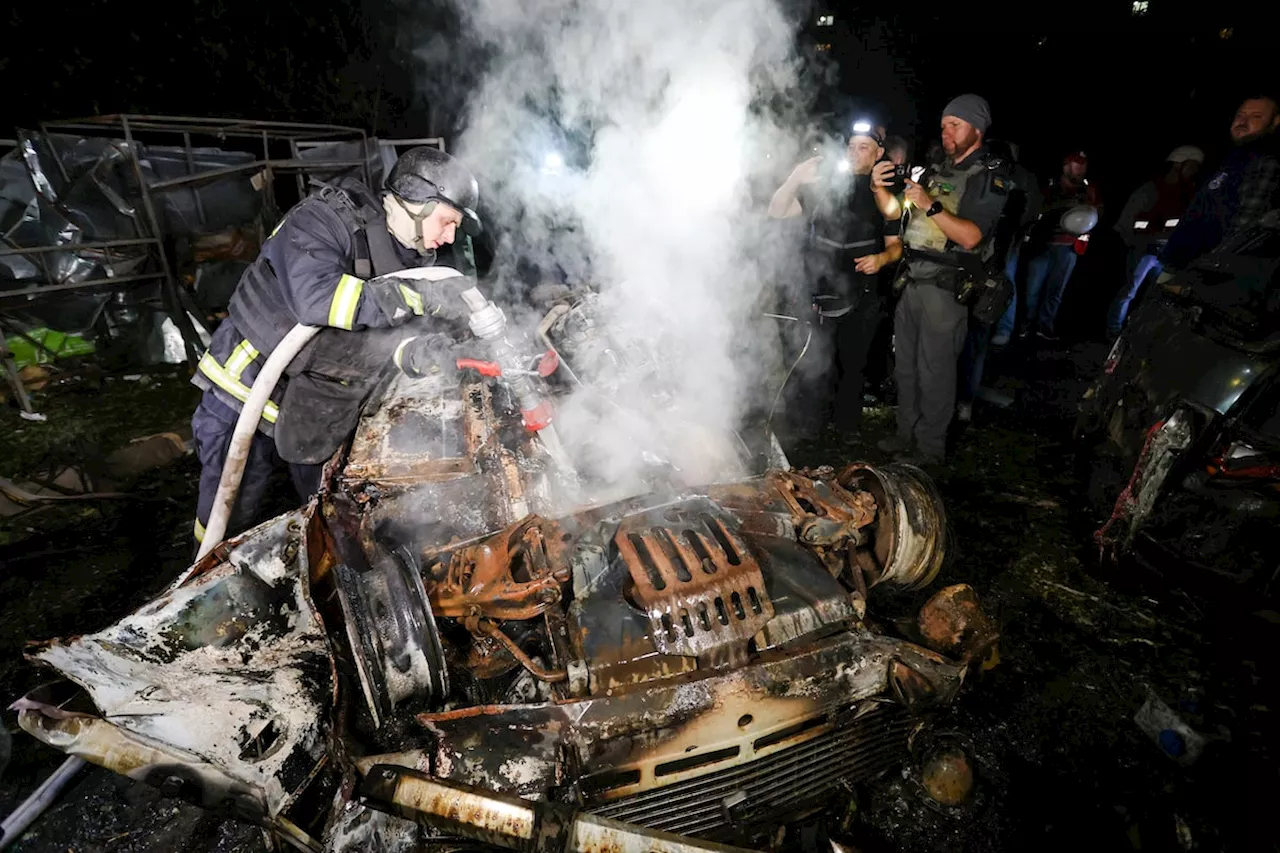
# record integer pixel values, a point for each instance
(212, 426)
(929, 328)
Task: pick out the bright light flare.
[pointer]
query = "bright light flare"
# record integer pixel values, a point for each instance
(553, 163)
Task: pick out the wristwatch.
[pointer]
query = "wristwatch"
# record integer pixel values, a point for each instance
(934, 209)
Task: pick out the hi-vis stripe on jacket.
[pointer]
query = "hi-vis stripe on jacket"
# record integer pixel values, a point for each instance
(304, 274)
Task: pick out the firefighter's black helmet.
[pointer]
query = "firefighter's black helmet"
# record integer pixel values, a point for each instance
(425, 174)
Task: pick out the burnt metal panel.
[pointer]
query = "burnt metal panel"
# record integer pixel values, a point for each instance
(834, 752)
(695, 576)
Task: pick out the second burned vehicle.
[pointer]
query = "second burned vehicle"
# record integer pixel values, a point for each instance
(1183, 425)
(473, 636)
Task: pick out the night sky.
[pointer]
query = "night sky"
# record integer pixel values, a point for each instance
(1091, 75)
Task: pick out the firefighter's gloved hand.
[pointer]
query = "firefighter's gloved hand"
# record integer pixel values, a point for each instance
(428, 355)
(402, 295)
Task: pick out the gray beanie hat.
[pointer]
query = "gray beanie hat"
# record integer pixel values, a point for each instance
(971, 108)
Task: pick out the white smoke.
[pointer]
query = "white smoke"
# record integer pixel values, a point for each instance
(664, 214)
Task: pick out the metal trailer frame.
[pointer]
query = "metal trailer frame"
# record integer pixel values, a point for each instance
(6, 358)
(273, 136)
(392, 144)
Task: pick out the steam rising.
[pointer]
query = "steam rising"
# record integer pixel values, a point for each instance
(660, 206)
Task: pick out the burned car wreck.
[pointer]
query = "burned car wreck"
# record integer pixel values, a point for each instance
(459, 642)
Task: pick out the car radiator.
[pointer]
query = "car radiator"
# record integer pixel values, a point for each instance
(782, 781)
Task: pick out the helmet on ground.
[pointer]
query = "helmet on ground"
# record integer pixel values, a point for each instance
(426, 174)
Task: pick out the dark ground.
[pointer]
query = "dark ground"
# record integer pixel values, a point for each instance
(1061, 763)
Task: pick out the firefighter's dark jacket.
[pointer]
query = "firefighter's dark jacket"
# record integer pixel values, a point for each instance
(320, 267)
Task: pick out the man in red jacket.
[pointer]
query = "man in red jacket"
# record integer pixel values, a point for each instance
(1053, 248)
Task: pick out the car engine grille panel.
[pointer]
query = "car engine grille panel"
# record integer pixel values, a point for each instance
(774, 784)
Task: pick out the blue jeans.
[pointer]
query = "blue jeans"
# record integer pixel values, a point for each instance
(1139, 269)
(1047, 277)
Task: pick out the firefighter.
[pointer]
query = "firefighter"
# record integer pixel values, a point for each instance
(331, 262)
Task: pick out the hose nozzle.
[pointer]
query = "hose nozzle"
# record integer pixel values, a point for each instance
(487, 320)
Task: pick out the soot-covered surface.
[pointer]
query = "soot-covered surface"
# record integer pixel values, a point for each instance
(1060, 762)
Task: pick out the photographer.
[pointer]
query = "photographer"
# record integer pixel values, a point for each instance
(852, 235)
(953, 208)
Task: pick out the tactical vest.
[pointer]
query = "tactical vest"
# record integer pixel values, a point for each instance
(929, 250)
(845, 225)
(334, 374)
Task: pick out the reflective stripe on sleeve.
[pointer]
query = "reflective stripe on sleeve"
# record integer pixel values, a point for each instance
(412, 298)
(241, 357)
(199, 531)
(219, 376)
(346, 299)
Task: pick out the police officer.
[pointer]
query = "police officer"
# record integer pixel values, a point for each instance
(953, 210)
(849, 242)
(331, 262)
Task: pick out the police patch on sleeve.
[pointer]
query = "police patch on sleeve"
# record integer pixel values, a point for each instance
(999, 185)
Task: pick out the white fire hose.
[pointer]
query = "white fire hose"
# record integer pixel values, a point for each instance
(242, 438)
(263, 385)
(807, 340)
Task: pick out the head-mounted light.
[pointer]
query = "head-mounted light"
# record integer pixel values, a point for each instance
(862, 127)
